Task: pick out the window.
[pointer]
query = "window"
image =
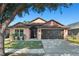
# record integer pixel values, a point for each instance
(19, 33)
(16, 32)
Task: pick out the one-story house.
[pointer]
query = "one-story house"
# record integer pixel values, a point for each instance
(74, 29)
(38, 29)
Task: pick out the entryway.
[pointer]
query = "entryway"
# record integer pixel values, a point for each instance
(33, 32)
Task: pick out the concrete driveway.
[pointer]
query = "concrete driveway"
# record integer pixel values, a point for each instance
(59, 47)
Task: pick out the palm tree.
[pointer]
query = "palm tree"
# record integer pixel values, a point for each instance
(9, 11)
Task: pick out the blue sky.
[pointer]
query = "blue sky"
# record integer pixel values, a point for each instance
(70, 15)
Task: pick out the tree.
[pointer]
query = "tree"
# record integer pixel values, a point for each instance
(9, 11)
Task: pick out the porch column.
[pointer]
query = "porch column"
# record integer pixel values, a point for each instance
(26, 34)
(65, 33)
(39, 34)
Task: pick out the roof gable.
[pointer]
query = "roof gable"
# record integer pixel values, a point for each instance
(38, 20)
(53, 23)
(20, 24)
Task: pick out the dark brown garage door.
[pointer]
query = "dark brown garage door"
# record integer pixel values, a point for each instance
(52, 33)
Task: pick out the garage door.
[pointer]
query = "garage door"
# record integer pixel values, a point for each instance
(52, 33)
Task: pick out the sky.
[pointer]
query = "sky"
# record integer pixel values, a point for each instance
(70, 15)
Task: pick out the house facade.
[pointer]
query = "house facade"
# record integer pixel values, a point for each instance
(74, 30)
(38, 29)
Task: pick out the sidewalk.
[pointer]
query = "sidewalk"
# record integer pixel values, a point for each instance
(25, 51)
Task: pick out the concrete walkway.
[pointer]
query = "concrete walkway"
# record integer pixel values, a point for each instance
(25, 52)
(59, 47)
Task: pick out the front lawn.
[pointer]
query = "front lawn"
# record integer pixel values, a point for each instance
(24, 44)
(73, 39)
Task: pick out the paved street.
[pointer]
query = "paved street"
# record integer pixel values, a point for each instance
(60, 47)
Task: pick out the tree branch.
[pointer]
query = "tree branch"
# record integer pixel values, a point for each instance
(2, 8)
(16, 11)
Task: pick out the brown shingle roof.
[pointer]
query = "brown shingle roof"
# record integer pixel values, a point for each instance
(40, 24)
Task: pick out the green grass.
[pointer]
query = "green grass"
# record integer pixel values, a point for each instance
(73, 39)
(24, 44)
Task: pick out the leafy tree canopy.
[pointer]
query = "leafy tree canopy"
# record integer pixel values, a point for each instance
(38, 7)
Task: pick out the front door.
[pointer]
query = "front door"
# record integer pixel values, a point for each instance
(33, 32)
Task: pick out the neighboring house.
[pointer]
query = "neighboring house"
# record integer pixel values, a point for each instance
(38, 29)
(74, 29)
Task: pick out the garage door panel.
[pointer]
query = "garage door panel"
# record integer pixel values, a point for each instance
(52, 34)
